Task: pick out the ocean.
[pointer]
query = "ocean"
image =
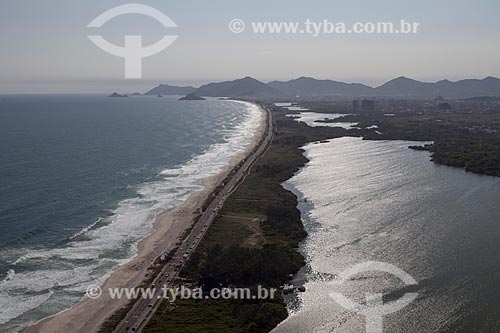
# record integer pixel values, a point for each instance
(365, 201)
(82, 179)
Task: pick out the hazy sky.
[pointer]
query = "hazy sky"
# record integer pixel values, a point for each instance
(44, 44)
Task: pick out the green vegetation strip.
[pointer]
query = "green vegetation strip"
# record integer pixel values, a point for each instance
(253, 241)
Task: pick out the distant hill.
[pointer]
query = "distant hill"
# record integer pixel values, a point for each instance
(165, 89)
(405, 87)
(115, 94)
(191, 97)
(489, 86)
(246, 87)
(308, 86)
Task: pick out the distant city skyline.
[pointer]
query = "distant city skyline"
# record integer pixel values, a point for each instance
(45, 48)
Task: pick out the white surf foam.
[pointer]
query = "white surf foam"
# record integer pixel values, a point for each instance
(86, 259)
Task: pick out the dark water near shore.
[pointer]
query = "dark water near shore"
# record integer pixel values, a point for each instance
(380, 201)
(82, 178)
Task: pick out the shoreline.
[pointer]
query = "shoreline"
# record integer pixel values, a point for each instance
(89, 314)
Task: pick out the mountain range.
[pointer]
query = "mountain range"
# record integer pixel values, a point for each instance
(246, 87)
(250, 88)
(403, 86)
(308, 86)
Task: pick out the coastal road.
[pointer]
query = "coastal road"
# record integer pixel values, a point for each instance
(143, 309)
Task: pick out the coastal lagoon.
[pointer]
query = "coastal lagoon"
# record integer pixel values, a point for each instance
(314, 119)
(83, 179)
(380, 201)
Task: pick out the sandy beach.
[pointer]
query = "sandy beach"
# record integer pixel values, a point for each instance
(89, 314)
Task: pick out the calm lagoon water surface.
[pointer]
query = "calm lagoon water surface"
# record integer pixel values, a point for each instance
(380, 201)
